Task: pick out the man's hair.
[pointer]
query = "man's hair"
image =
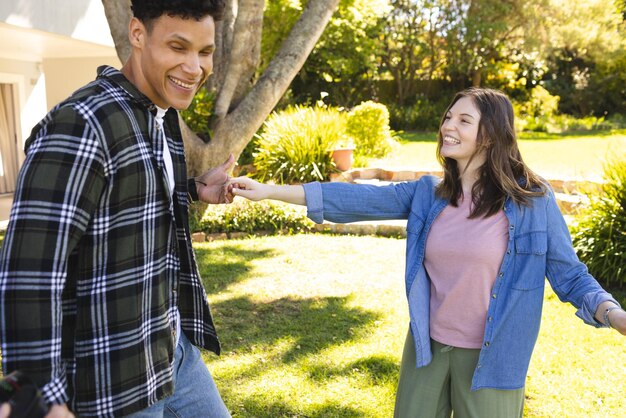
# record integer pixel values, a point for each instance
(504, 173)
(148, 10)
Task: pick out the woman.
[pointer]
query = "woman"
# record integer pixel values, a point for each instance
(480, 243)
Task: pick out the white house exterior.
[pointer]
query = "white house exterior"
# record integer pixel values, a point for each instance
(48, 49)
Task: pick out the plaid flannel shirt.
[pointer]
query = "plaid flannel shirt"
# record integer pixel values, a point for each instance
(97, 256)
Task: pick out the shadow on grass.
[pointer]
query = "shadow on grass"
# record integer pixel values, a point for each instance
(377, 370)
(251, 408)
(222, 266)
(312, 324)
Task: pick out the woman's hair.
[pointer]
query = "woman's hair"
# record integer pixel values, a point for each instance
(148, 10)
(504, 173)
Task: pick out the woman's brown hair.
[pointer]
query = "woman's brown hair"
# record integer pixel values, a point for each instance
(504, 173)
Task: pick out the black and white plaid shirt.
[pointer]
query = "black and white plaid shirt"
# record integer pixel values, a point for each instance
(97, 256)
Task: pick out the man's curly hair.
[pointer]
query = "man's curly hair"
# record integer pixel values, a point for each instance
(148, 10)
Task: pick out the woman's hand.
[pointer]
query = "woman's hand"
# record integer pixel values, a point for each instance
(253, 190)
(248, 188)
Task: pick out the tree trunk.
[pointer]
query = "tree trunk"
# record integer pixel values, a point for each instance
(224, 31)
(233, 132)
(118, 15)
(477, 77)
(244, 56)
(238, 39)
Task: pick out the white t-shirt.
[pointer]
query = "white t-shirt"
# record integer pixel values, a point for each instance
(169, 171)
(167, 157)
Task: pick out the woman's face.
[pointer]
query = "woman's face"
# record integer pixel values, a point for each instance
(459, 133)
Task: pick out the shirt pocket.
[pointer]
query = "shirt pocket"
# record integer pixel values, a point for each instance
(530, 260)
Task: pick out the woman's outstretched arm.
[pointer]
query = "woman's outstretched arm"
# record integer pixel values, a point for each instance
(253, 190)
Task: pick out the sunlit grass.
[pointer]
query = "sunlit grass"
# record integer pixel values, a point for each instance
(313, 326)
(300, 338)
(551, 156)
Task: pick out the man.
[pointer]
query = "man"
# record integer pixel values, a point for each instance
(97, 273)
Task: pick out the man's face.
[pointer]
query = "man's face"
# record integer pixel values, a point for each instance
(176, 57)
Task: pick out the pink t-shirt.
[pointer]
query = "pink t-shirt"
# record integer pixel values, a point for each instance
(462, 259)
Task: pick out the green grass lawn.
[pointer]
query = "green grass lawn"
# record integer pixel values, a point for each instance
(313, 326)
(551, 156)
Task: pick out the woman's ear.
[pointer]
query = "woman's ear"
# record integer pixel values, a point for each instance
(136, 32)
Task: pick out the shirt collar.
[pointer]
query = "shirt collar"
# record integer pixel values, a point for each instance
(116, 76)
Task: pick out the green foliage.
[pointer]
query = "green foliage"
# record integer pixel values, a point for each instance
(343, 63)
(589, 85)
(312, 325)
(540, 114)
(196, 211)
(245, 216)
(541, 103)
(536, 113)
(424, 115)
(295, 144)
(368, 126)
(599, 235)
(398, 51)
(197, 115)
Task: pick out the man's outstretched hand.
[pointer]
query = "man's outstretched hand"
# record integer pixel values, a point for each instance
(211, 185)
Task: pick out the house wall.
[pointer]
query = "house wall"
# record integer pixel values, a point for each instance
(28, 82)
(65, 75)
(79, 19)
(48, 49)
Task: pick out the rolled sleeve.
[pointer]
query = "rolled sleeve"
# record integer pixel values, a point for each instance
(590, 304)
(314, 202)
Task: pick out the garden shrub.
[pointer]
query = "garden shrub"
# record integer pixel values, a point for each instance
(295, 144)
(246, 216)
(368, 125)
(599, 232)
(196, 211)
(617, 121)
(423, 115)
(540, 114)
(568, 123)
(536, 113)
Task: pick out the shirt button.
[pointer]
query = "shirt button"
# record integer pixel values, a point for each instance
(512, 226)
(508, 251)
(490, 319)
(493, 296)
(487, 344)
(501, 274)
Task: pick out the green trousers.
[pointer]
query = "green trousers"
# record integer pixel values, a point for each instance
(442, 389)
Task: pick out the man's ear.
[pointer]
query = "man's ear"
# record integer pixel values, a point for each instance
(136, 32)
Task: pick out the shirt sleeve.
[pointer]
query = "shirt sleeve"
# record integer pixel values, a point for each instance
(192, 190)
(345, 202)
(56, 194)
(568, 276)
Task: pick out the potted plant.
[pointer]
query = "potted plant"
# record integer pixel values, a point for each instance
(342, 153)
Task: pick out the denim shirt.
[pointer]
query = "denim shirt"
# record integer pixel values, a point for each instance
(539, 246)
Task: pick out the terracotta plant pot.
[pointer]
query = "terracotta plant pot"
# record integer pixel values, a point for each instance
(343, 158)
